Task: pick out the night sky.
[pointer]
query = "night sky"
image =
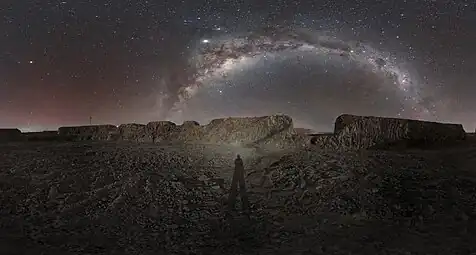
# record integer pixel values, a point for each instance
(142, 60)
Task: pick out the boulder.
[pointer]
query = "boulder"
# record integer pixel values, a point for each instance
(95, 132)
(356, 132)
(324, 141)
(10, 135)
(134, 132)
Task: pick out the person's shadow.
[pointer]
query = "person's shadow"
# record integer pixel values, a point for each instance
(238, 180)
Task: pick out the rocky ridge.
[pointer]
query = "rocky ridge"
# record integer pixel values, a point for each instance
(366, 132)
(272, 132)
(267, 130)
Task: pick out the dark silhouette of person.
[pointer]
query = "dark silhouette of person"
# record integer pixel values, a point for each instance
(238, 178)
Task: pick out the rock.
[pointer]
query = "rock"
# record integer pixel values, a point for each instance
(343, 121)
(266, 130)
(43, 136)
(134, 132)
(96, 132)
(190, 123)
(10, 135)
(203, 178)
(161, 131)
(324, 141)
(364, 132)
(357, 132)
(190, 131)
(277, 132)
(153, 210)
(53, 193)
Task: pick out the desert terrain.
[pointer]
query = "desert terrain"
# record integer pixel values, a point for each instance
(125, 197)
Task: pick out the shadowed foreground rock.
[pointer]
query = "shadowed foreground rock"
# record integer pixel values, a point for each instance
(358, 132)
(10, 135)
(81, 133)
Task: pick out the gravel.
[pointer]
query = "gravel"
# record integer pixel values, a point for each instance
(128, 198)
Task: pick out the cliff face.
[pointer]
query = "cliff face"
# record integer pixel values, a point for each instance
(97, 132)
(360, 132)
(343, 121)
(249, 131)
(161, 131)
(351, 132)
(266, 130)
(134, 132)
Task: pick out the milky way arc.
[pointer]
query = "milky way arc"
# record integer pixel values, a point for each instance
(217, 57)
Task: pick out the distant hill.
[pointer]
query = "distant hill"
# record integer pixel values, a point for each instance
(304, 131)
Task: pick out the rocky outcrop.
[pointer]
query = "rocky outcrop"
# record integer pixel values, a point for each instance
(97, 132)
(134, 132)
(276, 130)
(267, 130)
(190, 124)
(10, 135)
(244, 131)
(327, 141)
(343, 121)
(363, 132)
(190, 131)
(45, 136)
(161, 131)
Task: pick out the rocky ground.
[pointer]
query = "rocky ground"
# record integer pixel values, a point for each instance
(125, 198)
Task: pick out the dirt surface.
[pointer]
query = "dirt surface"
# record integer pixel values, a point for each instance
(126, 198)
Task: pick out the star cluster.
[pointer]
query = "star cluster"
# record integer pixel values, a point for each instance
(62, 62)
